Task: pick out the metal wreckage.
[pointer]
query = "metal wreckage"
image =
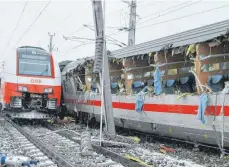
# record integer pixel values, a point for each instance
(174, 86)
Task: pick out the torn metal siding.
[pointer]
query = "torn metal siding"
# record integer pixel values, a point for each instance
(75, 64)
(184, 38)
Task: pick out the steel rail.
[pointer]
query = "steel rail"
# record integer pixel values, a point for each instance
(101, 150)
(50, 153)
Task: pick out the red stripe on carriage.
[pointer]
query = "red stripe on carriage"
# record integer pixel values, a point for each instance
(165, 108)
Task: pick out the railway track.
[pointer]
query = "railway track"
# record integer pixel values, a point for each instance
(59, 146)
(13, 142)
(150, 152)
(53, 149)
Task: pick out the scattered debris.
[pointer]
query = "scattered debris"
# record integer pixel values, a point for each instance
(167, 149)
(86, 148)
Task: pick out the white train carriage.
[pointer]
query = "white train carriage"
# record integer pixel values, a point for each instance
(30, 84)
(188, 105)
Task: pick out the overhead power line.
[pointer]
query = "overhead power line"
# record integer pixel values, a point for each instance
(155, 13)
(165, 9)
(75, 47)
(107, 36)
(33, 22)
(169, 12)
(15, 28)
(177, 18)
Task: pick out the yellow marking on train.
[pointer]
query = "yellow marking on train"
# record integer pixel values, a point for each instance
(206, 135)
(137, 160)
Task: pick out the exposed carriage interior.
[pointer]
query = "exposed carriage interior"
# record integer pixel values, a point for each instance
(191, 68)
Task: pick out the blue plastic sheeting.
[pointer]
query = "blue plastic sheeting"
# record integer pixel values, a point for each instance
(137, 84)
(157, 82)
(140, 101)
(216, 78)
(114, 85)
(2, 159)
(170, 83)
(184, 80)
(202, 107)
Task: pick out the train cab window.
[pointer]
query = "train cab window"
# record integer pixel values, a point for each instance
(38, 65)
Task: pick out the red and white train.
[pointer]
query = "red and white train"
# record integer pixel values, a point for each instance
(30, 84)
(174, 111)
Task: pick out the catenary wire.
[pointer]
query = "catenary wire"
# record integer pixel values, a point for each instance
(177, 18)
(169, 12)
(15, 28)
(33, 22)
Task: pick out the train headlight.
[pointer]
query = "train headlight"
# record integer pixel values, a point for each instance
(48, 90)
(22, 88)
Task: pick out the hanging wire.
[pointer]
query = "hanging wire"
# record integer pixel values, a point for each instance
(33, 22)
(15, 28)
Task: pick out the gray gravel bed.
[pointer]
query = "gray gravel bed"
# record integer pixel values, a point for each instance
(13, 143)
(66, 148)
(150, 152)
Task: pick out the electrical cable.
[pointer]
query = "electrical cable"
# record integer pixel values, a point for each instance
(169, 12)
(23, 10)
(155, 14)
(165, 9)
(177, 18)
(34, 22)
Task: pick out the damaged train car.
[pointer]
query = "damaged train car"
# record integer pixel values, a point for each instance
(174, 86)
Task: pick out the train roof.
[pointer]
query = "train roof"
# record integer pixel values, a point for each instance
(30, 49)
(75, 64)
(197, 35)
(65, 62)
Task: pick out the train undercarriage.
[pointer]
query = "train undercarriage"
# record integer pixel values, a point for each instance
(31, 106)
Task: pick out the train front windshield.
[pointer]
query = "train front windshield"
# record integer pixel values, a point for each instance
(37, 65)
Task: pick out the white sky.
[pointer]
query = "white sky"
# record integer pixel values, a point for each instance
(67, 17)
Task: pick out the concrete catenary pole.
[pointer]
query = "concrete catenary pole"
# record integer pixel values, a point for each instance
(50, 42)
(132, 23)
(101, 65)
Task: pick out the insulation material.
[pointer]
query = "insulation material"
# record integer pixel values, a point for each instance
(191, 49)
(159, 58)
(177, 51)
(203, 49)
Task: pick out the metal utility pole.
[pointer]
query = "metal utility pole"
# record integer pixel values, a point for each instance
(132, 22)
(50, 43)
(101, 65)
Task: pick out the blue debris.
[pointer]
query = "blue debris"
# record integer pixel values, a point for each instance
(114, 85)
(138, 84)
(170, 83)
(157, 82)
(139, 103)
(2, 158)
(202, 107)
